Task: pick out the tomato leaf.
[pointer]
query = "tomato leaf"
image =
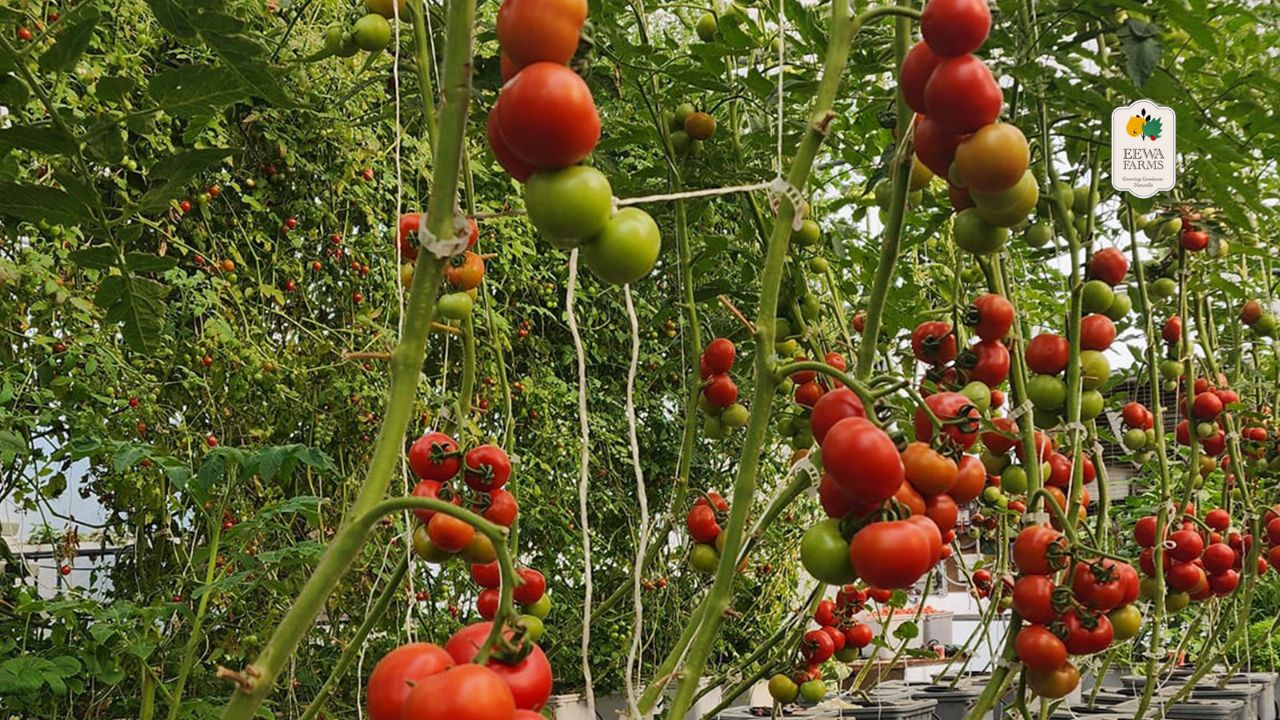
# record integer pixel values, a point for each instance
(137, 304)
(1140, 44)
(146, 262)
(71, 43)
(176, 171)
(39, 138)
(36, 202)
(97, 257)
(192, 90)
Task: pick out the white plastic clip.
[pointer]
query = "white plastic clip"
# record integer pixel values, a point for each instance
(780, 188)
(1021, 410)
(446, 247)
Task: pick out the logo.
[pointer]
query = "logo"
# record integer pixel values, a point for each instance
(1144, 126)
(1144, 152)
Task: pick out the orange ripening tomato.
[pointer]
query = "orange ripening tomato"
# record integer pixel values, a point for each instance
(547, 117)
(533, 31)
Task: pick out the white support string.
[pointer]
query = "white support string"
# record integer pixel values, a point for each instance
(583, 480)
(409, 627)
(782, 71)
(643, 548)
(624, 202)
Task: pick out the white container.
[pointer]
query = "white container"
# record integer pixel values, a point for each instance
(613, 707)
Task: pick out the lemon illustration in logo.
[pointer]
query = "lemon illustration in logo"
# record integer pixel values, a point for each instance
(1144, 126)
(1134, 126)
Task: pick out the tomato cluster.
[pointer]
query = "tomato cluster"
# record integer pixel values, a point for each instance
(464, 271)
(811, 391)
(1082, 617)
(436, 460)
(1196, 562)
(719, 392)
(423, 681)
(544, 124)
(703, 524)
(1140, 434)
(1260, 321)
(688, 127)
(1206, 421)
(839, 636)
(371, 33)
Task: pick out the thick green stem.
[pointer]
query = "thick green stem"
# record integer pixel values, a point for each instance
(193, 640)
(406, 365)
(843, 28)
(356, 643)
(466, 390)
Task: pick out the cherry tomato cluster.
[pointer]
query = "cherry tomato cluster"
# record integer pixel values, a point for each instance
(1259, 320)
(719, 391)
(1206, 413)
(464, 271)
(543, 125)
(1139, 435)
(371, 33)
(1082, 618)
(810, 389)
(423, 681)
(703, 523)
(839, 636)
(1196, 563)
(688, 128)
(436, 460)
(957, 135)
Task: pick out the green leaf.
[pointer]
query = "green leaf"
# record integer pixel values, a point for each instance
(71, 43)
(146, 262)
(37, 202)
(137, 304)
(13, 92)
(98, 257)
(173, 17)
(113, 88)
(176, 172)
(12, 442)
(248, 60)
(40, 138)
(906, 631)
(1140, 44)
(192, 90)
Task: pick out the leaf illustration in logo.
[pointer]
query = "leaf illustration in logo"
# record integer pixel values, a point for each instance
(1152, 128)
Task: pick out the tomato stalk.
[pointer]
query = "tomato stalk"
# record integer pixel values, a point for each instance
(1018, 378)
(193, 640)
(406, 363)
(466, 390)
(843, 29)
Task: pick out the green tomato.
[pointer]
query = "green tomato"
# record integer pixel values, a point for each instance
(781, 328)
(569, 205)
(1206, 430)
(1147, 589)
(1045, 419)
(1172, 227)
(714, 429)
(1013, 480)
(333, 40)
(1039, 234)
(706, 27)
(824, 552)
(1171, 369)
(808, 234)
(533, 626)
(1162, 288)
(810, 307)
(1265, 325)
(884, 194)
(812, 691)
(704, 558)
(992, 495)
(992, 463)
(540, 609)
(1120, 306)
(802, 439)
(975, 235)
(786, 426)
(846, 654)
(786, 348)
(626, 247)
(1134, 439)
(1082, 199)
(680, 141)
(371, 32)
(1008, 207)
(347, 48)
(1091, 404)
(1173, 602)
(683, 111)
(736, 415)
(454, 306)
(1064, 193)
(1096, 296)
(783, 689)
(819, 265)
(1094, 369)
(707, 407)
(1047, 392)
(979, 394)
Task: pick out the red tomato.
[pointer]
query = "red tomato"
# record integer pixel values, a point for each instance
(1059, 470)
(531, 588)
(719, 355)
(1040, 550)
(1185, 576)
(837, 637)
(933, 342)
(449, 533)
(1225, 582)
(1040, 649)
(1004, 437)
(487, 603)
(990, 316)
(835, 503)
(957, 413)
(721, 392)
(515, 165)
(916, 68)
(395, 675)
(465, 692)
(1097, 332)
(909, 498)
(831, 408)
(862, 460)
(1206, 406)
(1094, 592)
(892, 554)
(817, 647)
(962, 96)
(971, 478)
(929, 471)
(1109, 265)
(434, 456)
(429, 489)
(529, 679)
(808, 394)
(936, 146)
(702, 524)
(1171, 331)
(1047, 353)
(942, 510)
(955, 27)
(487, 575)
(1136, 415)
(499, 507)
(990, 362)
(546, 116)
(407, 235)
(858, 636)
(825, 615)
(531, 31)
(1187, 545)
(1218, 557)
(1086, 636)
(1033, 599)
(835, 360)
(487, 468)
